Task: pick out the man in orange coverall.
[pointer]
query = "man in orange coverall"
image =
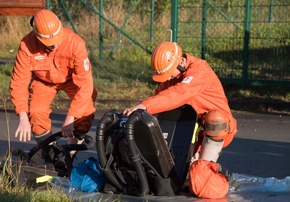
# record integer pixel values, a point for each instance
(186, 79)
(51, 58)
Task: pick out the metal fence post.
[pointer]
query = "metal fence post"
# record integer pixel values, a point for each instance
(174, 19)
(271, 11)
(47, 4)
(246, 41)
(152, 22)
(203, 30)
(101, 32)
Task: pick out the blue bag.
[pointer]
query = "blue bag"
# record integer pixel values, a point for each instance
(88, 176)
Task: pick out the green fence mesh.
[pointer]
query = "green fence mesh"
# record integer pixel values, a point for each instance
(246, 42)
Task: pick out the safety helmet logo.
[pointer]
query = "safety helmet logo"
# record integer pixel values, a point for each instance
(167, 55)
(164, 60)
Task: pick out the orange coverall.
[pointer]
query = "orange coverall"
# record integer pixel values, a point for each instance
(199, 87)
(66, 68)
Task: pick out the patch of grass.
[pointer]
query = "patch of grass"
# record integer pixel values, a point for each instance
(27, 195)
(10, 173)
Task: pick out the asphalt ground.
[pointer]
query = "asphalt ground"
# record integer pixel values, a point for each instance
(261, 148)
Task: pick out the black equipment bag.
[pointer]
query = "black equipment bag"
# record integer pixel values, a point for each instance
(31, 166)
(135, 155)
(179, 127)
(59, 154)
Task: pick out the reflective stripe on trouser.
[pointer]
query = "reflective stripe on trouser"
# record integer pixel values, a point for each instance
(210, 149)
(40, 137)
(41, 96)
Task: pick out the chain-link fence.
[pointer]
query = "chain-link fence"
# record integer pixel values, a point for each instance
(120, 35)
(246, 42)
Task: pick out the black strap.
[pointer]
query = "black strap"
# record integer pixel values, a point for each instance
(232, 182)
(181, 68)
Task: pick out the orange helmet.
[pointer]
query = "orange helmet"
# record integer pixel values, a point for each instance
(48, 28)
(164, 60)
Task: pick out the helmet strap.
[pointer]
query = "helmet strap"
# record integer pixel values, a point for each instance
(31, 21)
(181, 68)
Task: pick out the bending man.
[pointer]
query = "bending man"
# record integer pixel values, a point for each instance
(185, 79)
(51, 58)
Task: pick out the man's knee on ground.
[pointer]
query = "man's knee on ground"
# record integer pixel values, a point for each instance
(216, 126)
